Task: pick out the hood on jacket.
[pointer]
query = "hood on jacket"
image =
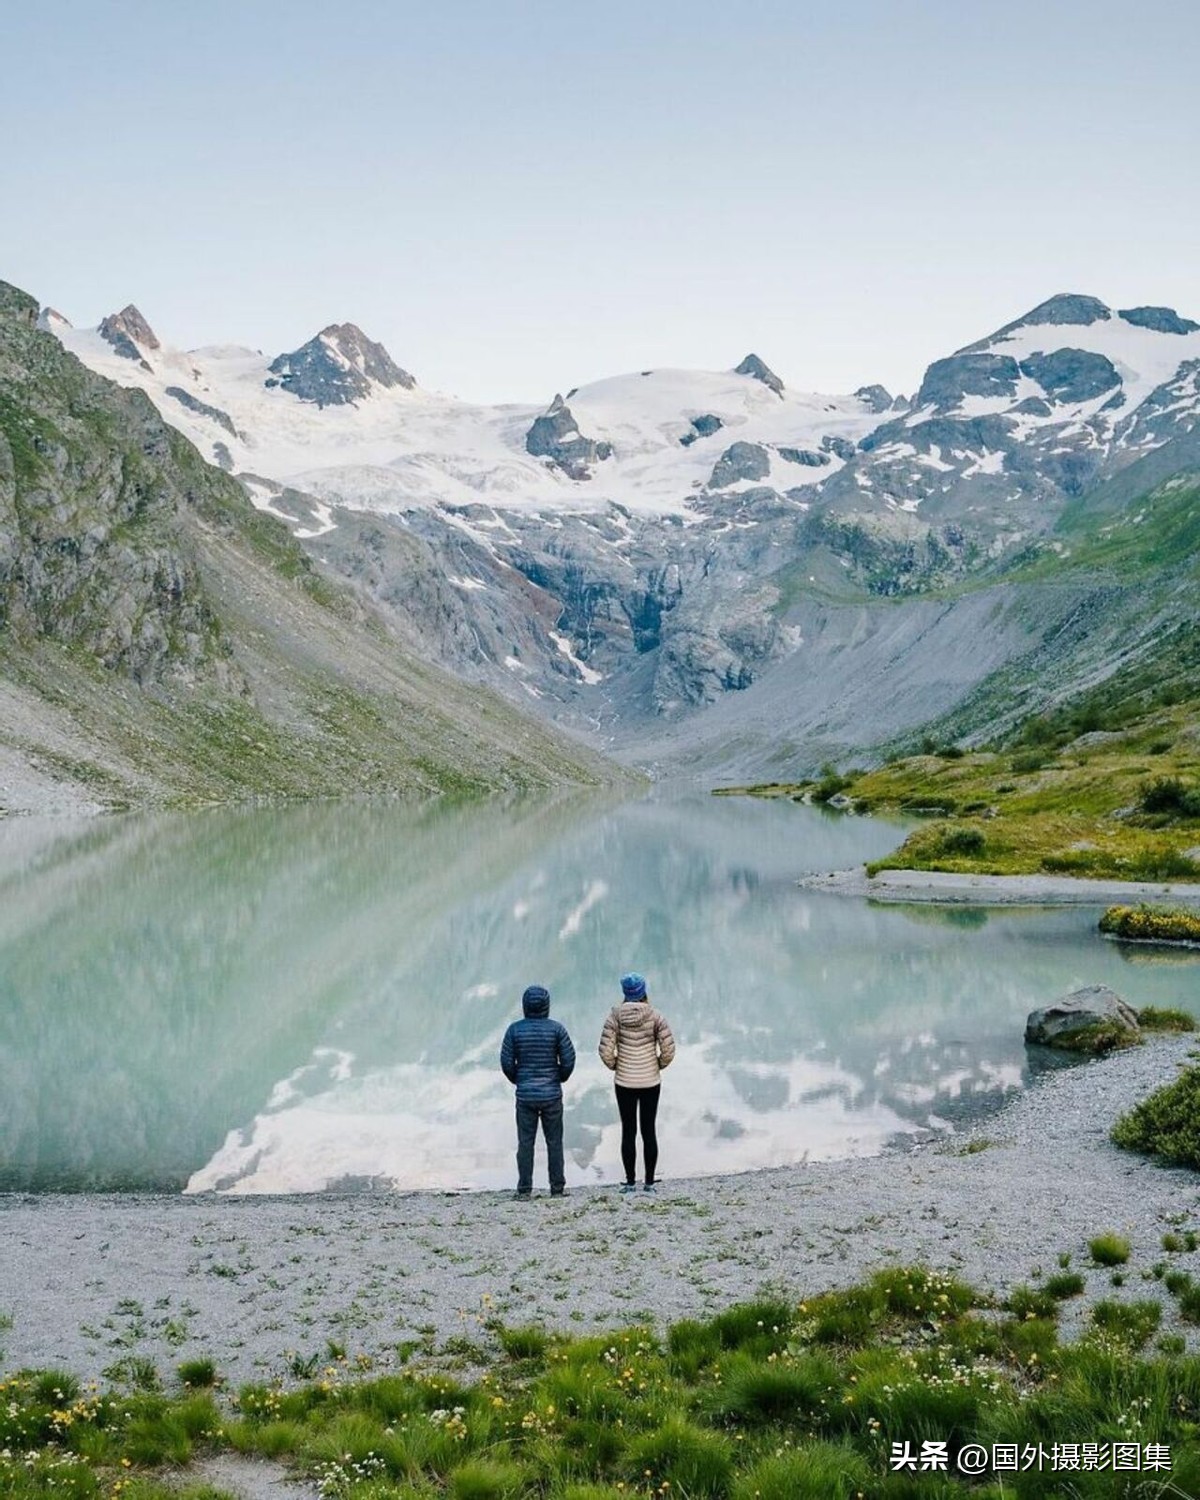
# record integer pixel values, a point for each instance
(536, 1000)
(635, 1016)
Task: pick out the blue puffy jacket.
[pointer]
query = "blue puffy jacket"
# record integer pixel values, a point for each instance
(537, 1054)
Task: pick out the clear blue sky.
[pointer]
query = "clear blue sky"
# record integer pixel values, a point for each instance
(519, 197)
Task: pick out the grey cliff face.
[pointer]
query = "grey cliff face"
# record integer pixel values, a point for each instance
(757, 370)
(555, 435)
(339, 366)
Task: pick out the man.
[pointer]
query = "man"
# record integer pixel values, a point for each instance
(537, 1055)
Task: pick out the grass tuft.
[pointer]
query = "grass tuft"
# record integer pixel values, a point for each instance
(1109, 1249)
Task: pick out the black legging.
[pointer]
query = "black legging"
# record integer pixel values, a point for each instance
(628, 1101)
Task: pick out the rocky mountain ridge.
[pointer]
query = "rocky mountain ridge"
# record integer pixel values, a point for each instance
(651, 555)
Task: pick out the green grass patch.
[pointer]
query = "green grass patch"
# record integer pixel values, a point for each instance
(1131, 1323)
(1070, 792)
(776, 1398)
(1164, 1018)
(1064, 1284)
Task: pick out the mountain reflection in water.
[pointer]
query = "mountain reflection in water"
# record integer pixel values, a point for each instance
(302, 998)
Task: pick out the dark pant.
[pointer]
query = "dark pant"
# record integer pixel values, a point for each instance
(551, 1116)
(630, 1102)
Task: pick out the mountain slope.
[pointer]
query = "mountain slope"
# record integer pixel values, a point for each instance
(161, 640)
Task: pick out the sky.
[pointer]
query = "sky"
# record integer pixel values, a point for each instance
(518, 197)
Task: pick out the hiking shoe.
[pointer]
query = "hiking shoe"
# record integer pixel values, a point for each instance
(629, 1187)
(558, 1192)
(651, 1187)
(520, 1197)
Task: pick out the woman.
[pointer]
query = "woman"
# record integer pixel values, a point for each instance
(637, 1044)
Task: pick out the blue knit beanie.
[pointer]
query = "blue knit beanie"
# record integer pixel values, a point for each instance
(633, 986)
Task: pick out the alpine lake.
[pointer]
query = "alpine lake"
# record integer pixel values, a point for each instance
(311, 997)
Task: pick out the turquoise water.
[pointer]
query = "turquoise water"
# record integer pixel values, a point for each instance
(305, 998)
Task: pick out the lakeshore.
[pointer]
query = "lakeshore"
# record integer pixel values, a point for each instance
(950, 888)
(264, 1285)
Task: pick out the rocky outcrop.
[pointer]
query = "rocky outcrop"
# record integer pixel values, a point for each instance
(202, 408)
(128, 333)
(947, 381)
(555, 435)
(1072, 375)
(702, 426)
(1160, 319)
(757, 370)
(740, 462)
(340, 366)
(875, 398)
(805, 457)
(1060, 1024)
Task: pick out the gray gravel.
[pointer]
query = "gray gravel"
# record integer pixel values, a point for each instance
(89, 1281)
(944, 888)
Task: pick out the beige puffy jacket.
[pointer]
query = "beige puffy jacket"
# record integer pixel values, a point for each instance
(636, 1044)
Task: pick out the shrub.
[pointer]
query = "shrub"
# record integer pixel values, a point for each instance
(1170, 796)
(1162, 864)
(968, 841)
(1109, 1249)
(1167, 1124)
(830, 784)
(1065, 1284)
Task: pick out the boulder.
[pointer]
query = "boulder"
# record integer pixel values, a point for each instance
(1096, 1005)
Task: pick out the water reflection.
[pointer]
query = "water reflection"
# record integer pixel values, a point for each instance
(311, 997)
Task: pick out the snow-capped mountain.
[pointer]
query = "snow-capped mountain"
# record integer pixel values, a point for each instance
(339, 418)
(1038, 410)
(641, 546)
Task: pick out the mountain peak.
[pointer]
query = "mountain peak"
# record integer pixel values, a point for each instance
(758, 370)
(876, 398)
(50, 319)
(340, 365)
(128, 332)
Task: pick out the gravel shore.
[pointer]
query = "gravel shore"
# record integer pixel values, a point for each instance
(266, 1284)
(939, 886)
